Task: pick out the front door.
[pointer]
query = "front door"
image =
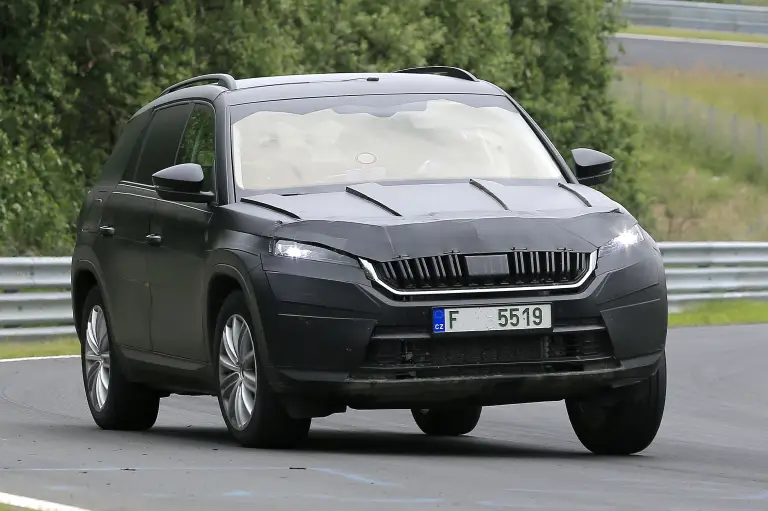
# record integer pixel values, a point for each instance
(176, 273)
(176, 270)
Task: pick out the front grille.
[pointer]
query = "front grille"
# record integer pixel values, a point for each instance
(394, 351)
(522, 269)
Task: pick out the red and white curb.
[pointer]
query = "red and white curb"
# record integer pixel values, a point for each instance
(38, 505)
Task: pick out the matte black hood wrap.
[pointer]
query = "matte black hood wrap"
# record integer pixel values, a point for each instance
(383, 223)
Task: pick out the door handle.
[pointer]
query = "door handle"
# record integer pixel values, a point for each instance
(106, 230)
(153, 239)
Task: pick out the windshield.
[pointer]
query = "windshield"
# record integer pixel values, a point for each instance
(309, 142)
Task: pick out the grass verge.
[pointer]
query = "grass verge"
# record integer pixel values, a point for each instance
(726, 90)
(701, 188)
(726, 312)
(39, 349)
(699, 193)
(686, 33)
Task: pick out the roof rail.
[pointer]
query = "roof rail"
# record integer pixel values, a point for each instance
(453, 72)
(222, 79)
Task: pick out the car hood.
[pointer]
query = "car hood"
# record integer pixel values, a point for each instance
(385, 222)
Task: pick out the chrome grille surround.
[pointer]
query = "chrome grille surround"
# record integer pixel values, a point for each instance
(447, 274)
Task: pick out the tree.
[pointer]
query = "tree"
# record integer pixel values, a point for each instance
(71, 73)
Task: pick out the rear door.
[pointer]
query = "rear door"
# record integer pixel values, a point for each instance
(176, 264)
(125, 229)
(118, 228)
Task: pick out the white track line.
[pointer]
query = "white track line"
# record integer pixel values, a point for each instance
(25, 359)
(38, 505)
(670, 39)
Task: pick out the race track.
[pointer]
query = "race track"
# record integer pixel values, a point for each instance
(690, 54)
(711, 452)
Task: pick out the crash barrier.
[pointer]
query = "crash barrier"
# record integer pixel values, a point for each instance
(35, 302)
(730, 17)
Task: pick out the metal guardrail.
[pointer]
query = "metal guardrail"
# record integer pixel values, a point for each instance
(704, 271)
(35, 301)
(747, 19)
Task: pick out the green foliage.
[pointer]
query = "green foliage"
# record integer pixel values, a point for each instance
(71, 73)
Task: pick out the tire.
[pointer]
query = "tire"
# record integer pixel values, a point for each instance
(628, 425)
(448, 421)
(115, 403)
(237, 372)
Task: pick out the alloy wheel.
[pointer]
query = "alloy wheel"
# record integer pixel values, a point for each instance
(237, 372)
(97, 358)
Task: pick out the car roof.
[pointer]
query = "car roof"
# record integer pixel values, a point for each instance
(271, 88)
(341, 84)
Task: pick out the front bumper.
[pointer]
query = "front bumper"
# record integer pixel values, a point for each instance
(332, 334)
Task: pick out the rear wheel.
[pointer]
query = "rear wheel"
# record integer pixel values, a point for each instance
(115, 403)
(251, 409)
(626, 420)
(447, 421)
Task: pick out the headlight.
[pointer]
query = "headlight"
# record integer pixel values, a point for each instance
(296, 250)
(623, 241)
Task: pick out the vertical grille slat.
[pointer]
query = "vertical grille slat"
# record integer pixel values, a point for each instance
(443, 273)
(458, 265)
(526, 268)
(451, 267)
(425, 268)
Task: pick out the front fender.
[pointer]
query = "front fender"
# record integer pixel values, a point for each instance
(244, 267)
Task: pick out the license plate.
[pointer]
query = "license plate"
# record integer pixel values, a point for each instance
(484, 319)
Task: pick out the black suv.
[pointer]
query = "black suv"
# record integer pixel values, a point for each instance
(297, 245)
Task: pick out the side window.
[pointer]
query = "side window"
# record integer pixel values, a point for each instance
(162, 141)
(121, 161)
(197, 144)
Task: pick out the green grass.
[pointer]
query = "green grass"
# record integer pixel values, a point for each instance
(729, 91)
(696, 34)
(3, 507)
(39, 349)
(699, 193)
(699, 189)
(726, 312)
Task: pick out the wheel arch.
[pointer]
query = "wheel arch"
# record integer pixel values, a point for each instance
(85, 276)
(231, 272)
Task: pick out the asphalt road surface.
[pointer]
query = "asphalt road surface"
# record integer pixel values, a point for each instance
(711, 452)
(715, 55)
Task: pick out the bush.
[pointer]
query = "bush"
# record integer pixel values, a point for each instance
(73, 72)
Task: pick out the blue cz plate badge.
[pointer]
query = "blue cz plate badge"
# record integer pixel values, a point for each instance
(438, 320)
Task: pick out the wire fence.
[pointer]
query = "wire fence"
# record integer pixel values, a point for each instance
(741, 137)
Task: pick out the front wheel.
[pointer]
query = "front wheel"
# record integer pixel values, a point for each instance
(250, 407)
(448, 421)
(627, 424)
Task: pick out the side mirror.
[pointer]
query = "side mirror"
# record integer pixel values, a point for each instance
(592, 167)
(181, 183)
